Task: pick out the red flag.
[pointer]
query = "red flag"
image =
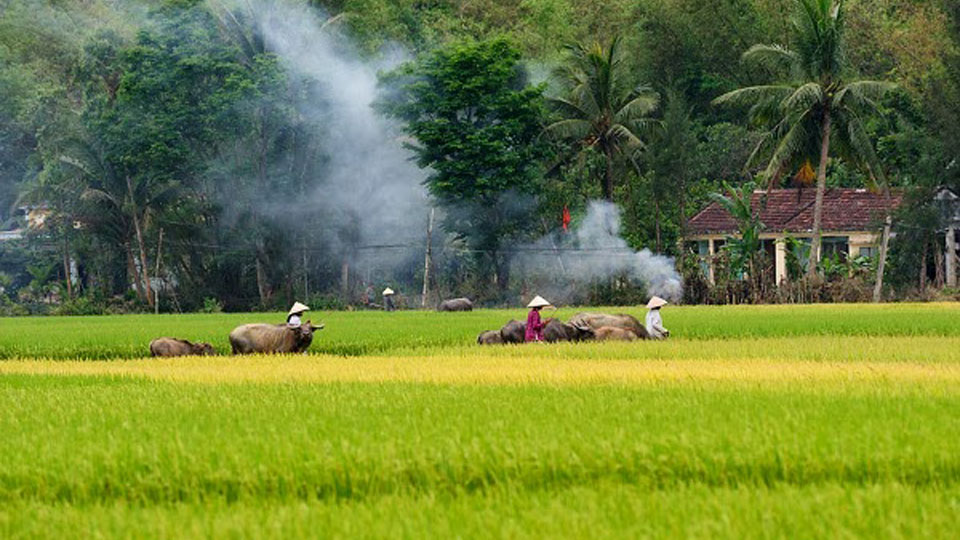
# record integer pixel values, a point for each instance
(566, 217)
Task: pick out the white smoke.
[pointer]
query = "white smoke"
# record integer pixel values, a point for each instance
(370, 183)
(596, 251)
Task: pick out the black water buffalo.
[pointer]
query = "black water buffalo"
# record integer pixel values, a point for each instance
(456, 304)
(272, 338)
(490, 337)
(167, 346)
(514, 332)
(557, 330)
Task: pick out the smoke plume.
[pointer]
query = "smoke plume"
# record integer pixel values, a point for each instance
(371, 191)
(595, 251)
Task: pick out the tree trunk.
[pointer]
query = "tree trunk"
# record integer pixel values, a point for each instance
(141, 245)
(821, 189)
(263, 288)
(923, 269)
(132, 270)
(426, 262)
(608, 176)
(881, 264)
(345, 281)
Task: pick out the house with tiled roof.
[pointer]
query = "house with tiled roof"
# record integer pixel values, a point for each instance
(849, 223)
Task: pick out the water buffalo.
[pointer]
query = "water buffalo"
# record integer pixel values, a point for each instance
(456, 304)
(514, 332)
(272, 338)
(620, 320)
(556, 330)
(490, 337)
(167, 346)
(611, 333)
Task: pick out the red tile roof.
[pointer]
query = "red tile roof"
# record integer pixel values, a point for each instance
(791, 210)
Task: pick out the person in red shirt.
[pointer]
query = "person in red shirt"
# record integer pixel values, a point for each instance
(534, 324)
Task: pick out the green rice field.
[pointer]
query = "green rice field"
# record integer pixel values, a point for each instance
(751, 422)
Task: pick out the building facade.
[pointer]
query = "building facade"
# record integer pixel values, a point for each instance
(849, 224)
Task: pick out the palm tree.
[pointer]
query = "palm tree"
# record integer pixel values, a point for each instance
(601, 109)
(813, 106)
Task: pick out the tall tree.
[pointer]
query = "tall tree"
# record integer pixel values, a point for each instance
(813, 104)
(602, 109)
(476, 124)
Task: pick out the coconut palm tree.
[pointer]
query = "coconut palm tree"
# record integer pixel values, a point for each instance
(814, 109)
(601, 109)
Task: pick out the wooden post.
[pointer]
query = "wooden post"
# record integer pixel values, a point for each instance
(426, 262)
(950, 258)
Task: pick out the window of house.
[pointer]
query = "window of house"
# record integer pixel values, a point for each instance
(834, 246)
(868, 252)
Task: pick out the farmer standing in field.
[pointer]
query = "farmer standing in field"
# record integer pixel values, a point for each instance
(654, 323)
(535, 326)
(388, 299)
(293, 317)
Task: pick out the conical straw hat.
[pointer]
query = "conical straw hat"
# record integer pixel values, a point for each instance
(656, 302)
(297, 308)
(388, 291)
(539, 301)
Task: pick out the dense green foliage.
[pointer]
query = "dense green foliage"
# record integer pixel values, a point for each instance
(476, 123)
(171, 144)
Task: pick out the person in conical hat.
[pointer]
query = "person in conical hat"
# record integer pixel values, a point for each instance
(535, 326)
(388, 299)
(653, 321)
(293, 317)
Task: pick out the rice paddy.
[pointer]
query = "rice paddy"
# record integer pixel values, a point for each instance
(809, 421)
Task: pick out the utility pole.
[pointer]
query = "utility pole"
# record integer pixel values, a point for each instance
(426, 262)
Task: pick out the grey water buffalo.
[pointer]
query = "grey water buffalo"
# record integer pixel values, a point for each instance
(490, 337)
(610, 333)
(557, 330)
(167, 346)
(620, 320)
(272, 338)
(514, 332)
(456, 304)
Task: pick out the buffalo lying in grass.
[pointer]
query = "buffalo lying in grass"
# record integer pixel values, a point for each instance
(620, 320)
(490, 337)
(456, 304)
(610, 333)
(556, 330)
(167, 346)
(272, 338)
(553, 331)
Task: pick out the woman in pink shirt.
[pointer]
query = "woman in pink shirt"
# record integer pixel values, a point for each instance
(534, 324)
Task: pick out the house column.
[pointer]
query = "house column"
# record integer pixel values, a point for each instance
(780, 257)
(950, 258)
(711, 252)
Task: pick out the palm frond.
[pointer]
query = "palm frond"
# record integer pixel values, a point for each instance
(803, 97)
(637, 108)
(791, 144)
(860, 94)
(753, 94)
(628, 139)
(569, 129)
(774, 57)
